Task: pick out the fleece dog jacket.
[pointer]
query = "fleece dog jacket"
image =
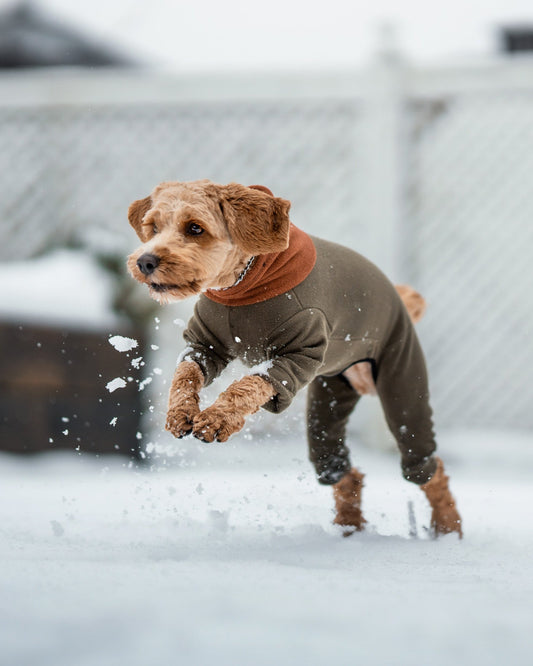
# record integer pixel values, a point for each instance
(305, 315)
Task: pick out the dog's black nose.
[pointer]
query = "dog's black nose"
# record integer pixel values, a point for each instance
(147, 263)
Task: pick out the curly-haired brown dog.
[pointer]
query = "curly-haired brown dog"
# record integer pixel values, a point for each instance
(300, 311)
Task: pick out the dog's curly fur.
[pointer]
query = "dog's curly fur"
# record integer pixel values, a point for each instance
(184, 398)
(444, 517)
(227, 414)
(200, 235)
(347, 496)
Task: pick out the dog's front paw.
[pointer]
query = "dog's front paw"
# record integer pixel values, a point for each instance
(180, 420)
(216, 423)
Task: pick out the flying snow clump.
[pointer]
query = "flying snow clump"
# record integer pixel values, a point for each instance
(115, 384)
(123, 344)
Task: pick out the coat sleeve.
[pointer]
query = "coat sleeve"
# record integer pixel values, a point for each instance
(297, 352)
(204, 347)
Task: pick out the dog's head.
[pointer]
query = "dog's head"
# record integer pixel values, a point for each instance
(200, 235)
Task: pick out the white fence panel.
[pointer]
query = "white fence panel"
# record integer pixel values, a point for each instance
(428, 172)
(471, 234)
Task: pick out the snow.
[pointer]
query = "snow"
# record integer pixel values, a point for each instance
(137, 362)
(122, 343)
(144, 383)
(115, 384)
(65, 287)
(257, 369)
(225, 554)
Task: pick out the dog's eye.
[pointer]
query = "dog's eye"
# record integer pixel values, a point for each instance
(155, 230)
(194, 229)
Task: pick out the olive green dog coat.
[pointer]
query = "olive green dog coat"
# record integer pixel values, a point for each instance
(339, 311)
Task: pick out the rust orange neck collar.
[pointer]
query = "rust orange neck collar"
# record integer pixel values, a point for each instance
(271, 274)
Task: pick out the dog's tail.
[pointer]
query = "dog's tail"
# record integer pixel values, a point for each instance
(413, 301)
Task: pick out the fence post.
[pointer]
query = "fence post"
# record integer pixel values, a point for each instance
(384, 161)
(384, 153)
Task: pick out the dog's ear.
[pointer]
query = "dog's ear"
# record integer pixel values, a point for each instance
(261, 188)
(258, 222)
(136, 213)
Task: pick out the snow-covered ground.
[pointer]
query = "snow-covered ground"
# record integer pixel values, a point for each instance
(228, 556)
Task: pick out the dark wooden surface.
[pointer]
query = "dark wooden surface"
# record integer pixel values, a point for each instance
(53, 391)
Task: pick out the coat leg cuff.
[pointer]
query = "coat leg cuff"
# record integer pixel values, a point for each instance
(328, 476)
(422, 472)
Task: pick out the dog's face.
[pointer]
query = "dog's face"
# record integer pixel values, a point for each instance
(200, 235)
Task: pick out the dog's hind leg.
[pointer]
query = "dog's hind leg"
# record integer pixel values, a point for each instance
(402, 386)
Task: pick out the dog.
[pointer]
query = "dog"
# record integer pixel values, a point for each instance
(299, 311)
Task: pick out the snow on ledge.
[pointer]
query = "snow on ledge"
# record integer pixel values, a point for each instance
(63, 287)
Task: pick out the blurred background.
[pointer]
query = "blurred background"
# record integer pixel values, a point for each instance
(402, 130)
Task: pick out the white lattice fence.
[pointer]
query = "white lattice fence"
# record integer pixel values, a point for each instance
(68, 167)
(471, 212)
(429, 173)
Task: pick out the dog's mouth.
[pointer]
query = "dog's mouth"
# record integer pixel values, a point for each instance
(160, 288)
(167, 293)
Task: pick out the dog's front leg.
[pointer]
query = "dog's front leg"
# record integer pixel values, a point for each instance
(227, 414)
(184, 398)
